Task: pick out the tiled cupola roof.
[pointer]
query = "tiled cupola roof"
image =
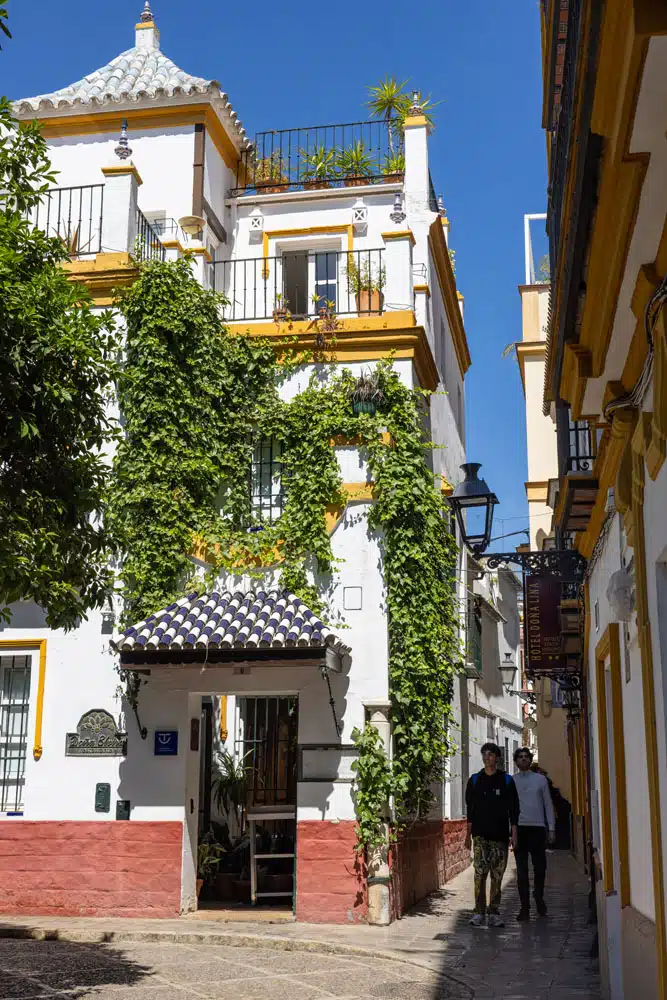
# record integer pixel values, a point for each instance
(141, 75)
(230, 620)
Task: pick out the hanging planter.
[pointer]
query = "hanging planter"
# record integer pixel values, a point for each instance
(364, 406)
(366, 394)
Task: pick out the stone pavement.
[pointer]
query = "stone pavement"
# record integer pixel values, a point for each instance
(431, 954)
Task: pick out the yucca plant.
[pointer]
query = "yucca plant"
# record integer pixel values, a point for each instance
(318, 165)
(355, 163)
(394, 163)
(389, 101)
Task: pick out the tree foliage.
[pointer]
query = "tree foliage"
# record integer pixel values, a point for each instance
(57, 364)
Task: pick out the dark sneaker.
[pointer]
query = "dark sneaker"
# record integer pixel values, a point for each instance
(541, 907)
(477, 920)
(523, 915)
(495, 920)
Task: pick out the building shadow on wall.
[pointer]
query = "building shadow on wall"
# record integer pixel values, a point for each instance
(32, 968)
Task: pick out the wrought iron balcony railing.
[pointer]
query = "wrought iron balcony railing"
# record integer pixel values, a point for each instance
(148, 245)
(322, 156)
(74, 215)
(302, 284)
(581, 447)
(563, 130)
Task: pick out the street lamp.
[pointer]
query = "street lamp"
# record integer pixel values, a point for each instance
(508, 670)
(473, 503)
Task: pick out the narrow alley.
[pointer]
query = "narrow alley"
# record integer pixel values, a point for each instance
(431, 954)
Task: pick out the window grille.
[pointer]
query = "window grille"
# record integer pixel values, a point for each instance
(268, 498)
(14, 702)
(266, 739)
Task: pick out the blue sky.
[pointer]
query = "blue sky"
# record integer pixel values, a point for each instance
(286, 65)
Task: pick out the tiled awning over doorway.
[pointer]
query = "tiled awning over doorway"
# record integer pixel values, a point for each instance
(226, 620)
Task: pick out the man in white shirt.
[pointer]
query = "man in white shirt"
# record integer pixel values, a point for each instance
(537, 821)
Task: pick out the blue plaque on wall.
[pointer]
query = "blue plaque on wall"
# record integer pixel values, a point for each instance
(166, 743)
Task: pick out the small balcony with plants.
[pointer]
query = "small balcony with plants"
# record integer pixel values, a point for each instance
(324, 156)
(353, 154)
(303, 285)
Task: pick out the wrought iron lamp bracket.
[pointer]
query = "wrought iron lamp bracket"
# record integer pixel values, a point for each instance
(132, 681)
(567, 563)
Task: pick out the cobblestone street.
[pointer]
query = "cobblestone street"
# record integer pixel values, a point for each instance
(432, 954)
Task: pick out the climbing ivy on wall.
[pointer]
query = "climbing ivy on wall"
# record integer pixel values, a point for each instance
(195, 401)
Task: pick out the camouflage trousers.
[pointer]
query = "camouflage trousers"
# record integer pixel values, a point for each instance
(489, 858)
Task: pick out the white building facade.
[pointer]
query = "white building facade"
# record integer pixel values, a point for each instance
(118, 831)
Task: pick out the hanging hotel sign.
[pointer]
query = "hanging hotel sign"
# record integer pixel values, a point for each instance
(96, 735)
(545, 641)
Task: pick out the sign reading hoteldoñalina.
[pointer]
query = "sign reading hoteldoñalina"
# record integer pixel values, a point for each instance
(96, 736)
(545, 647)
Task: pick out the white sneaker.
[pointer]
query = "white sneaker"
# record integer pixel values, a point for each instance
(477, 920)
(495, 920)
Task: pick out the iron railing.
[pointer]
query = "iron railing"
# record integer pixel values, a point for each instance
(560, 153)
(581, 447)
(14, 704)
(302, 284)
(148, 245)
(322, 156)
(74, 215)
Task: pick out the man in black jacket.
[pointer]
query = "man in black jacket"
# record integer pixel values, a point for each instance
(492, 806)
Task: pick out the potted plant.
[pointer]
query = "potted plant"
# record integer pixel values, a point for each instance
(393, 166)
(367, 283)
(209, 856)
(366, 393)
(355, 164)
(280, 311)
(318, 167)
(269, 174)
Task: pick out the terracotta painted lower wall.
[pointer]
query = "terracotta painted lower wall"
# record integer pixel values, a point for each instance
(330, 883)
(426, 856)
(108, 869)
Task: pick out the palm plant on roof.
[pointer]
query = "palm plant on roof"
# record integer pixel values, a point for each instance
(389, 101)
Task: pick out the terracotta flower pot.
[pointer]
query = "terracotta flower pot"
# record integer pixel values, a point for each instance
(200, 883)
(316, 185)
(393, 178)
(356, 181)
(279, 315)
(369, 303)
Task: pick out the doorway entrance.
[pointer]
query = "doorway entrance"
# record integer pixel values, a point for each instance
(247, 817)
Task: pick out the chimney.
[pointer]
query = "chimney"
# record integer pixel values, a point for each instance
(147, 36)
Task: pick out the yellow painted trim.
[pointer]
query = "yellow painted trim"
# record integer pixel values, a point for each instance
(224, 732)
(197, 252)
(447, 283)
(400, 319)
(459, 296)
(422, 290)
(619, 763)
(104, 122)
(528, 349)
(399, 234)
(39, 644)
(446, 487)
(342, 441)
(606, 471)
(657, 448)
(415, 121)
(363, 338)
(145, 24)
(601, 654)
(173, 245)
(121, 170)
(537, 491)
(624, 38)
(103, 275)
(277, 234)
